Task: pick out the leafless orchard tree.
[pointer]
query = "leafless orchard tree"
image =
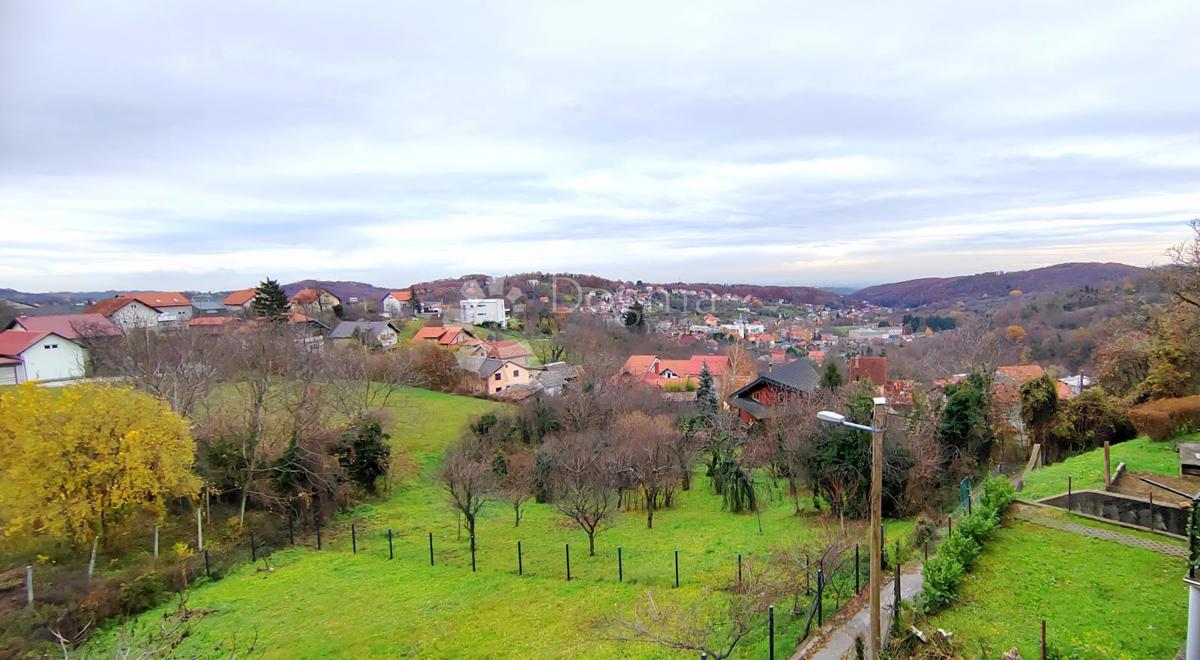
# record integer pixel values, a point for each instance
(645, 451)
(361, 380)
(518, 482)
(469, 482)
(584, 480)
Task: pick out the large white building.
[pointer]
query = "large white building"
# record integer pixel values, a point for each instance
(478, 311)
(43, 356)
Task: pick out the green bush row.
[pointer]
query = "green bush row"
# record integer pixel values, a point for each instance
(945, 570)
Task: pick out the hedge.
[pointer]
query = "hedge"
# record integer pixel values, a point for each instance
(1166, 418)
(945, 570)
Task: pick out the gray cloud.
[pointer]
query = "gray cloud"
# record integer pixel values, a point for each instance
(207, 145)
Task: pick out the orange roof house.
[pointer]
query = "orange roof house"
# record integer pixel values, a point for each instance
(873, 369)
(653, 370)
(159, 299)
(442, 335)
(240, 298)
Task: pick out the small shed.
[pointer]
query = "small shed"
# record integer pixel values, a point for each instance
(1189, 458)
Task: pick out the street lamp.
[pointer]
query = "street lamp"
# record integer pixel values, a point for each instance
(876, 431)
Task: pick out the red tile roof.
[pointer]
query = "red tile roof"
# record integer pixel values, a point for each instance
(70, 326)
(15, 342)
(307, 296)
(873, 369)
(239, 298)
(402, 296)
(442, 335)
(108, 306)
(156, 299)
(649, 368)
(507, 349)
(1020, 372)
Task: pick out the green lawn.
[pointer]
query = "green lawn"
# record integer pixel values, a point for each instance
(1099, 599)
(333, 603)
(1087, 469)
(409, 330)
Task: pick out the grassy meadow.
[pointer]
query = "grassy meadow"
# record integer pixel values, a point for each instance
(334, 603)
(1087, 469)
(1100, 599)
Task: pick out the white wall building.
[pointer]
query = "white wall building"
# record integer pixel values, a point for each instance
(478, 311)
(41, 356)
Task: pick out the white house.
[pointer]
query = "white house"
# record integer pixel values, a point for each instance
(175, 309)
(478, 311)
(126, 313)
(42, 356)
(397, 303)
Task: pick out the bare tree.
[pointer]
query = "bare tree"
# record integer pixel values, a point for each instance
(1183, 280)
(181, 366)
(518, 482)
(700, 627)
(361, 380)
(646, 452)
(469, 482)
(584, 480)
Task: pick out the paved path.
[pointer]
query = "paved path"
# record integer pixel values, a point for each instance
(1030, 514)
(839, 642)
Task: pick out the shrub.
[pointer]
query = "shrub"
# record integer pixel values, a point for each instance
(143, 593)
(945, 571)
(1166, 418)
(998, 493)
(942, 576)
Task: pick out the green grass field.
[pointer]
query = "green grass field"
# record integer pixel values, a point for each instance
(1099, 599)
(1087, 469)
(334, 603)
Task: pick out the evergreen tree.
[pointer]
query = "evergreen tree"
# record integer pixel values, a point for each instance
(635, 318)
(270, 301)
(364, 453)
(416, 302)
(831, 378)
(706, 395)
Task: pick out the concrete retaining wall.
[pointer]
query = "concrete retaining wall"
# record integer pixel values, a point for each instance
(1123, 508)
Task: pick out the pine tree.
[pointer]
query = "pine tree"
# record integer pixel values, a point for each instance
(706, 394)
(635, 318)
(270, 301)
(831, 379)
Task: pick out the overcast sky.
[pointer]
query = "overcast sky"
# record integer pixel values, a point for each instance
(157, 145)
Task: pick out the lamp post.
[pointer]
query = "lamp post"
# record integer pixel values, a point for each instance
(876, 431)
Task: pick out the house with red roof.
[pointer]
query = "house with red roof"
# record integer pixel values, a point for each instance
(71, 326)
(872, 369)
(173, 309)
(126, 313)
(397, 303)
(27, 355)
(443, 335)
(313, 302)
(653, 370)
(240, 302)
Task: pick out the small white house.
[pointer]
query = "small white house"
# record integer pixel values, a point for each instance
(478, 311)
(126, 313)
(397, 303)
(41, 356)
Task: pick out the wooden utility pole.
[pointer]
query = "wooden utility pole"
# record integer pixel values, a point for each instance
(877, 422)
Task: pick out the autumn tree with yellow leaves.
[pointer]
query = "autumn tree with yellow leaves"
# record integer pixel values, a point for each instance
(75, 460)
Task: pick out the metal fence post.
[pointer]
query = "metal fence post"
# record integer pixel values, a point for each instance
(620, 565)
(568, 562)
(431, 548)
(391, 550)
(1069, 489)
(739, 569)
(291, 534)
(472, 554)
(1043, 639)
(353, 540)
(820, 597)
(29, 586)
(856, 570)
(207, 569)
(318, 520)
(520, 560)
(676, 569)
(253, 549)
(771, 632)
